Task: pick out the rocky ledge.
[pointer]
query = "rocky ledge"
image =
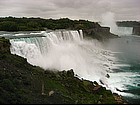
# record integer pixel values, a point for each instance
(136, 30)
(100, 33)
(22, 83)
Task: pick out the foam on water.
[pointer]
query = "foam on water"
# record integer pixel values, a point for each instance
(64, 50)
(124, 31)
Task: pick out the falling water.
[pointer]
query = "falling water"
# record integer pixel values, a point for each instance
(90, 59)
(64, 50)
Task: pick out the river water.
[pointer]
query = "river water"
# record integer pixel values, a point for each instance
(125, 70)
(63, 50)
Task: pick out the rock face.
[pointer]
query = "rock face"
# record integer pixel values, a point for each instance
(136, 30)
(119, 99)
(100, 33)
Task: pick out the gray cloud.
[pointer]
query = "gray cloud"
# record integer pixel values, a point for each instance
(75, 9)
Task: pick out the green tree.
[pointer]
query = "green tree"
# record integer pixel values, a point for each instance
(8, 26)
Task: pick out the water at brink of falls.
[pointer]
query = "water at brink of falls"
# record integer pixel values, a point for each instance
(90, 59)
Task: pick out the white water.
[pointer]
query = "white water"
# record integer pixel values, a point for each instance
(124, 31)
(108, 20)
(64, 50)
(121, 31)
(124, 72)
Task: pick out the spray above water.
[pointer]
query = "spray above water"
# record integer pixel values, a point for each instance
(108, 20)
(64, 50)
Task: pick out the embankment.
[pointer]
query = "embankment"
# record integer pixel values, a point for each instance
(100, 33)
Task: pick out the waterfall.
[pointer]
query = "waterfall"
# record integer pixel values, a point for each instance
(63, 50)
(36, 49)
(110, 64)
(40, 45)
(124, 30)
(108, 20)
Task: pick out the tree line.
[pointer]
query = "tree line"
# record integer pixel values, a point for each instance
(38, 24)
(128, 23)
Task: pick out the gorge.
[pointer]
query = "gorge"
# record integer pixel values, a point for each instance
(65, 49)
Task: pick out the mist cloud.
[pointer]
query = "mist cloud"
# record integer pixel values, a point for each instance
(74, 9)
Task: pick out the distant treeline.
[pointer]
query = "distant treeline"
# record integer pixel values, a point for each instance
(37, 24)
(128, 23)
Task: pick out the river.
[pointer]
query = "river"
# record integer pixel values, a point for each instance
(115, 64)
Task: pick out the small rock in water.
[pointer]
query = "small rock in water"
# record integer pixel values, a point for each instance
(107, 75)
(101, 82)
(138, 85)
(118, 90)
(95, 83)
(51, 93)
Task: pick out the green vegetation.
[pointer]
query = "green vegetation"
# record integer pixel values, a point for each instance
(21, 83)
(128, 23)
(90, 29)
(35, 24)
(4, 45)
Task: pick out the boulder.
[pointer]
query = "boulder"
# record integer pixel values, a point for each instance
(107, 75)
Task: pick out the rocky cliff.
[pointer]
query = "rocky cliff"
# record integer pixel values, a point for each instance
(100, 33)
(136, 30)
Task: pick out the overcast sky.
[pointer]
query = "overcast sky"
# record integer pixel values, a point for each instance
(73, 9)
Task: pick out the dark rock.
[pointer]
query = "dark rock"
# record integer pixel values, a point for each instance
(107, 75)
(100, 33)
(118, 90)
(101, 82)
(136, 30)
(95, 83)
